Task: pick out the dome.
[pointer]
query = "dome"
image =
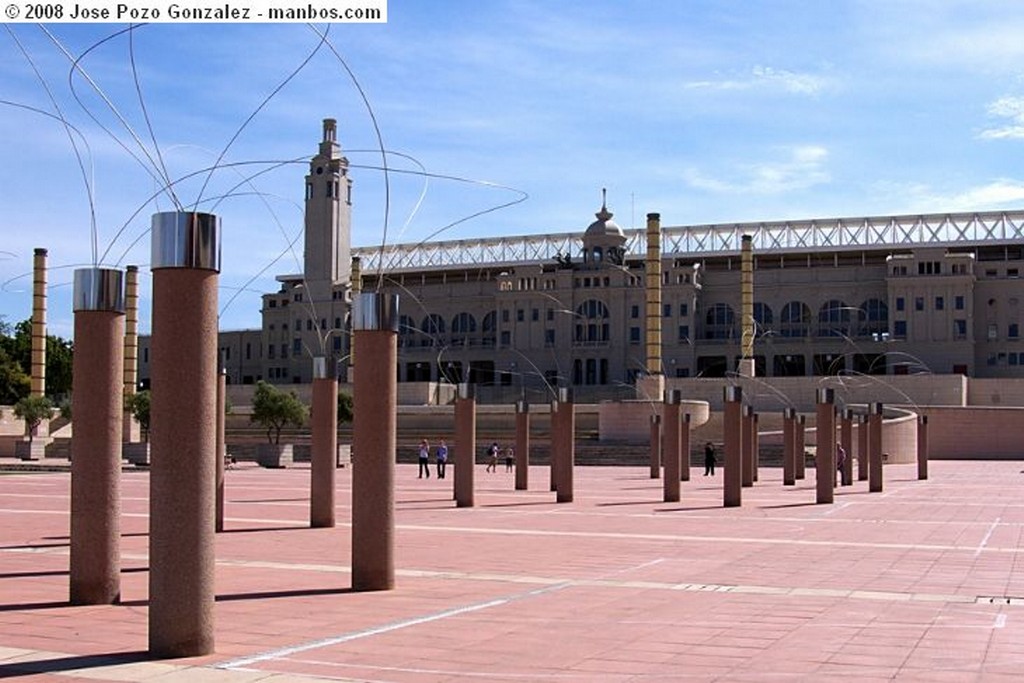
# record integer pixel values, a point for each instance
(604, 225)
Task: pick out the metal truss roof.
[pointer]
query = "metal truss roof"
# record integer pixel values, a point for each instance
(946, 229)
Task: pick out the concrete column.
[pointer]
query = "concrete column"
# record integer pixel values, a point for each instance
(565, 436)
(655, 446)
(465, 446)
(684, 447)
(789, 447)
(185, 261)
(553, 460)
(324, 443)
(130, 430)
(522, 445)
(846, 439)
(221, 449)
(922, 447)
(862, 449)
(825, 451)
(732, 433)
(95, 567)
(747, 445)
(875, 447)
(799, 432)
(755, 447)
(38, 361)
(374, 440)
(671, 443)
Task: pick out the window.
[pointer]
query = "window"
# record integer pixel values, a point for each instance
(684, 310)
(1012, 272)
(248, 351)
(899, 329)
(506, 338)
(309, 325)
(284, 350)
(901, 303)
(634, 311)
(634, 335)
(504, 316)
(940, 303)
(296, 347)
(993, 332)
(684, 334)
(272, 303)
(549, 338)
(958, 302)
(337, 343)
(535, 314)
(919, 303)
(297, 296)
(1014, 331)
(551, 314)
(271, 351)
(519, 315)
(667, 310)
(959, 329)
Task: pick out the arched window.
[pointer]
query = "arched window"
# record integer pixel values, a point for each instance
(490, 328)
(795, 320)
(834, 319)
(406, 330)
(433, 328)
(762, 319)
(720, 322)
(592, 322)
(463, 327)
(874, 318)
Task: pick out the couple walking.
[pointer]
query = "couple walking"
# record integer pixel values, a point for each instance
(441, 455)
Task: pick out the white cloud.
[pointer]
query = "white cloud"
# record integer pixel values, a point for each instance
(804, 167)
(909, 198)
(1007, 107)
(767, 77)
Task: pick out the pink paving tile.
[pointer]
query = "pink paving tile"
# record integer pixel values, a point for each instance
(614, 586)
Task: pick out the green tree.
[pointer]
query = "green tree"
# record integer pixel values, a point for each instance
(138, 405)
(274, 409)
(17, 347)
(33, 410)
(14, 383)
(344, 407)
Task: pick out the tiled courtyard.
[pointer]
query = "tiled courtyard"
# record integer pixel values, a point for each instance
(918, 583)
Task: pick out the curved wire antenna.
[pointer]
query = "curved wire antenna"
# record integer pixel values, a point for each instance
(87, 176)
(380, 144)
(266, 100)
(150, 168)
(162, 167)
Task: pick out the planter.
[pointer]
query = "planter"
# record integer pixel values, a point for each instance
(136, 453)
(34, 450)
(274, 455)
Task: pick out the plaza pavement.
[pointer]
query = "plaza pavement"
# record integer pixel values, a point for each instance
(918, 583)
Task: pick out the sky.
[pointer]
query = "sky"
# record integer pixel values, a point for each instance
(706, 112)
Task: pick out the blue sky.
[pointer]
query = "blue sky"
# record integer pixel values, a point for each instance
(706, 112)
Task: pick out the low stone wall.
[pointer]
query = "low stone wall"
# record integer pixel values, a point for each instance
(975, 433)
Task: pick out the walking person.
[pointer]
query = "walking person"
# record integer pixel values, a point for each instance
(442, 458)
(424, 459)
(492, 457)
(840, 460)
(709, 459)
(510, 458)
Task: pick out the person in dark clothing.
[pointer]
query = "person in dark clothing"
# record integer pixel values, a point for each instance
(424, 458)
(709, 459)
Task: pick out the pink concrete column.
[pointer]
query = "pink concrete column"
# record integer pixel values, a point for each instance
(655, 446)
(862, 449)
(922, 447)
(465, 446)
(522, 445)
(875, 447)
(324, 443)
(846, 439)
(185, 261)
(755, 447)
(789, 447)
(732, 428)
(747, 445)
(95, 571)
(553, 460)
(374, 440)
(565, 436)
(222, 394)
(825, 450)
(671, 446)
(684, 447)
(800, 433)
